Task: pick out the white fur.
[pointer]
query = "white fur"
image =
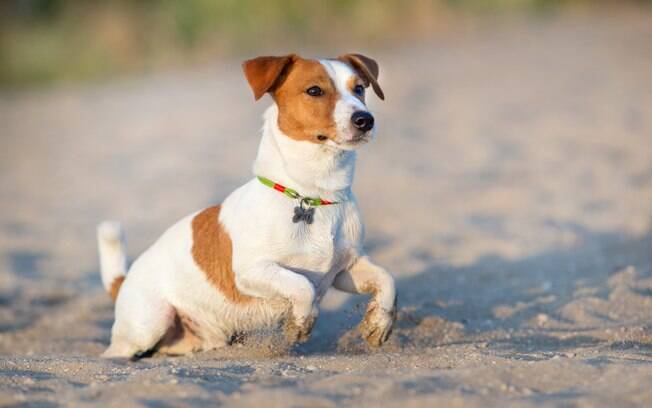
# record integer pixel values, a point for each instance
(278, 262)
(348, 103)
(113, 260)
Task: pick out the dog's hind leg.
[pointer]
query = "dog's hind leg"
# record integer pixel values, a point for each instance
(181, 338)
(143, 317)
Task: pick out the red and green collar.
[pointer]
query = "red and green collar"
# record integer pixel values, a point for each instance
(310, 201)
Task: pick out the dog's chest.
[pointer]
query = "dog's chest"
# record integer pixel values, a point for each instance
(317, 250)
(311, 246)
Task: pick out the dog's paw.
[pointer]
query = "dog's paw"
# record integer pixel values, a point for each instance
(122, 352)
(377, 324)
(298, 331)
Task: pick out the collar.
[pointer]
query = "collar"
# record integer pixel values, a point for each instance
(309, 201)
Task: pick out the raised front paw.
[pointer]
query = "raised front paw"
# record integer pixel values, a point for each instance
(377, 324)
(298, 331)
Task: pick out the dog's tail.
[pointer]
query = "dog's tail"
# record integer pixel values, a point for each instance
(113, 260)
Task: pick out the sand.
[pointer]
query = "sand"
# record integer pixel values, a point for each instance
(509, 191)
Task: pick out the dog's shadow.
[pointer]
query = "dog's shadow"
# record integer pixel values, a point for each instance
(444, 304)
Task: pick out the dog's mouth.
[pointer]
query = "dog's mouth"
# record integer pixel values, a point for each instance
(360, 138)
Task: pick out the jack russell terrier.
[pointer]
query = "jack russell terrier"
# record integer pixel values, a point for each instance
(275, 245)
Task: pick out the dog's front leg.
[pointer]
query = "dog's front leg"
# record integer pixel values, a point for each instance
(270, 281)
(365, 277)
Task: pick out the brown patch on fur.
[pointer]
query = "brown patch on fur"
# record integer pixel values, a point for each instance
(181, 338)
(190, 325)
(367, 69)
(301, 116)
(351, 83)
(262, 73)
(115, 287)
(212, 250)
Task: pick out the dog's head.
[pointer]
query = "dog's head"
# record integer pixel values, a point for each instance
(319, 101)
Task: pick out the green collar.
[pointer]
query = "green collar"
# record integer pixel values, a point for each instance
(309, 201)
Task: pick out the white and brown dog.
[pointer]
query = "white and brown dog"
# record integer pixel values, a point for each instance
(276, 244)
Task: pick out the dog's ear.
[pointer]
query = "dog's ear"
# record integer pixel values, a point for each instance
(263, 72)
(367, 68)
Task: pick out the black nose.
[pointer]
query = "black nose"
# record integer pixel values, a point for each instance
(362, 120)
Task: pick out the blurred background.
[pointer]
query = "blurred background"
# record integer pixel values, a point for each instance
(509, 189)
(43, 41)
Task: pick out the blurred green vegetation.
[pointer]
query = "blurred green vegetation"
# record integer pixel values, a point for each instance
(50, 40)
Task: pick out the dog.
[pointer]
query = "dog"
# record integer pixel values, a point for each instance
(271, 250)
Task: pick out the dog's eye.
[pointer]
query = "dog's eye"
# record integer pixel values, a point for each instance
(315, 91)
(358, 90)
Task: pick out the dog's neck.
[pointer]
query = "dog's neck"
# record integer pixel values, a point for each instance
(310, 168)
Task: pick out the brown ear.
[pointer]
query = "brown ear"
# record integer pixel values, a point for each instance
(263, 72)
(367, 68)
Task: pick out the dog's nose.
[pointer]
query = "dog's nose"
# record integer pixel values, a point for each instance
(362, 120)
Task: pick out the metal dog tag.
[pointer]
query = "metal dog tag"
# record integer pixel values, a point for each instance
(303, 212)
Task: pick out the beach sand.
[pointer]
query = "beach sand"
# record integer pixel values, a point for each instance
(509, 191)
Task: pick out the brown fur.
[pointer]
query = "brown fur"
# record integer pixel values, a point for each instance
(301, 116)
(115, 287)
(212, 251)
(181, 338)
(367, 69)
(263, 72)
(351, 83)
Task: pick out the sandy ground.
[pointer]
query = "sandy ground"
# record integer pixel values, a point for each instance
(509, 191)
